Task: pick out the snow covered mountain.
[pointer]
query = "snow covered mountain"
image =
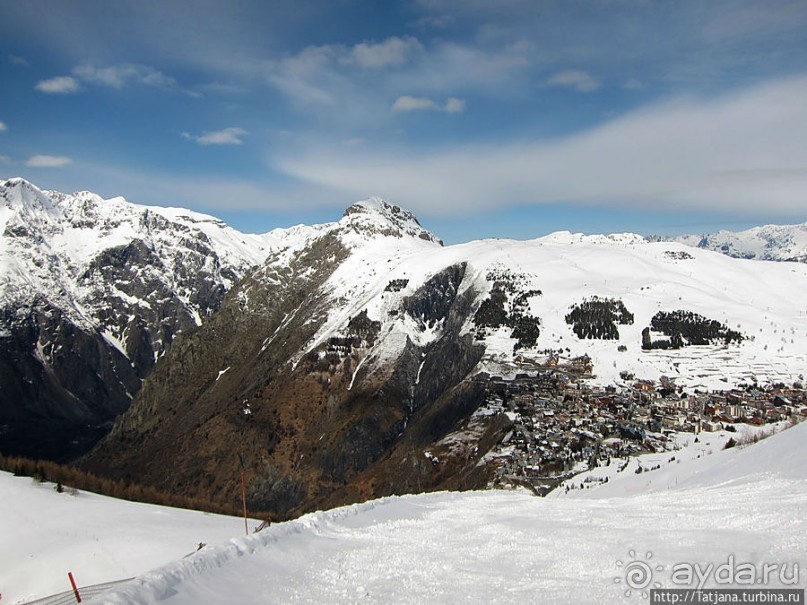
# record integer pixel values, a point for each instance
(771, 242)
(327, 360)
(92, 293)
(333, 368)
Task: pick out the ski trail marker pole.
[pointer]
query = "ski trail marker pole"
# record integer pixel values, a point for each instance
(244, 500)
(75, 588)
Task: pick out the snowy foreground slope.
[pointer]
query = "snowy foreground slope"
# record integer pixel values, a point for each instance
(45, 534)
(500, 547)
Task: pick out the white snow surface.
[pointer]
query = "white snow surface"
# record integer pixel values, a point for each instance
(472, 547)
(45, 534)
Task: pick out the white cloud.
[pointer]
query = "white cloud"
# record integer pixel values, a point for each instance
(48, 161)
(4, 159)
(731, 153)
(407, 103)
(227, 136)
(62, 85)
(450, 67)
(3, 127)
(118, 76)
(574, 78)
(392, 51)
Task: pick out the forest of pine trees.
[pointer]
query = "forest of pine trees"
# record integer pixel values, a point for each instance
(685, 328)
(492, 314)
(597, 318)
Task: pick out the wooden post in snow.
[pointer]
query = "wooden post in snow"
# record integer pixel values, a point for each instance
(244, 500)
(75, 588)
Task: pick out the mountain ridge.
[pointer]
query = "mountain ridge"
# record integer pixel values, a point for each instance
(93, 292)
(768, 242)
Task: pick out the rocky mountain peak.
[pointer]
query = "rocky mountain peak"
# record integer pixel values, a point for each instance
(21, 196)
(375, 216)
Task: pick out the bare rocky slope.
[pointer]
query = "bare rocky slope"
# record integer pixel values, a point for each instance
(266, 387)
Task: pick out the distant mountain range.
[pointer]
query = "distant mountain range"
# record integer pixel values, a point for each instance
(318, 357)
(771, 242)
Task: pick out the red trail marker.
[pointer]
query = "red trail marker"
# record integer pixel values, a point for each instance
(75, 588)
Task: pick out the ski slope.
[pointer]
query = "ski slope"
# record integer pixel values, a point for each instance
(497, 547)
(45, 534)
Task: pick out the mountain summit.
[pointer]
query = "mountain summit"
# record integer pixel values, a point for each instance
(378, 215)
(95, 290)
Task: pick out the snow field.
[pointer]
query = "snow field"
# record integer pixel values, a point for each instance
(45, 534)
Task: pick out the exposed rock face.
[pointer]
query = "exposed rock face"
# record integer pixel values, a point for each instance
(93, 293)
(304, 404)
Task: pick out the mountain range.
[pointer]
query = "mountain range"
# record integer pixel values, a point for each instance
(771, 242)
(92, 293)
(323, 361)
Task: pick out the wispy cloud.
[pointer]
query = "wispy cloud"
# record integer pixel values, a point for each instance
(119, 76)
(729, 153)
(330, 75)
(355, 83)
(61, 85)
(48, 161)
(407, 103)
(227, 136)
(575, 78)
(3, 127)
(115, 76)
(450, 67)
(392, 51)
(454, 105)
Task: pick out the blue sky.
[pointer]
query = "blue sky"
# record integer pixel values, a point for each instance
(512, 118)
